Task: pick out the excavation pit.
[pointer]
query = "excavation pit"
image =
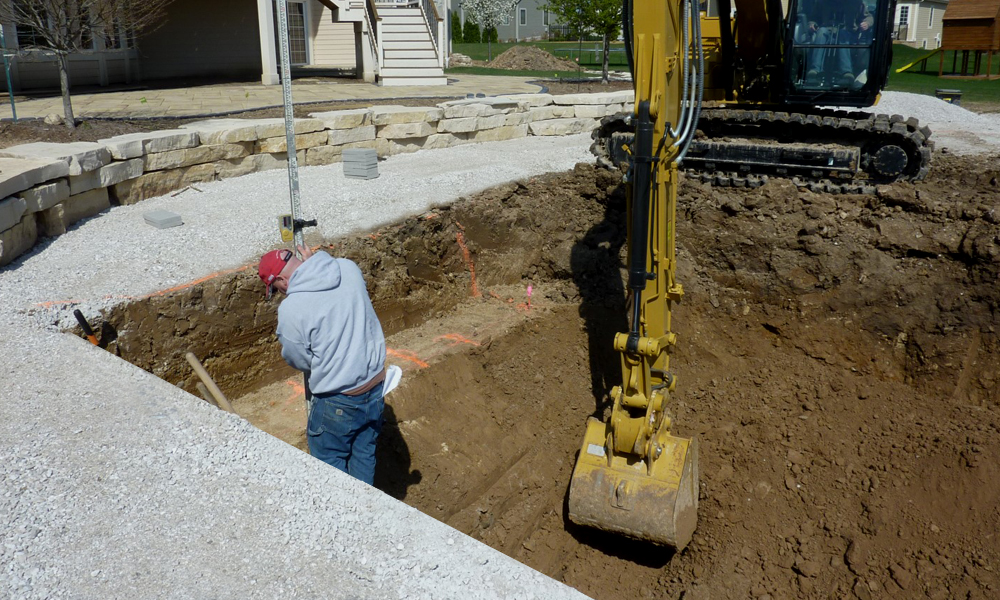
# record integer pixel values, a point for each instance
(838, 360)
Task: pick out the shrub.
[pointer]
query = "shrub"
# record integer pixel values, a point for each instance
(470, 33)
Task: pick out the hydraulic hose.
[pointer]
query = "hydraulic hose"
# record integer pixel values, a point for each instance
(700, 93)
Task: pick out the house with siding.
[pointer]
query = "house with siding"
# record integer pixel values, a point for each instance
(527, 21)
(386, 41)
(919, 24)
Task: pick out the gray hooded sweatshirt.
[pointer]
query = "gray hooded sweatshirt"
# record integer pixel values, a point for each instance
(327, 326)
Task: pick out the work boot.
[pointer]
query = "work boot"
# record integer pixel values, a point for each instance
(847, 79)
(812, 78)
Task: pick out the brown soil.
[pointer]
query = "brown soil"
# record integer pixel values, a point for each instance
(838, 361)
(530, 58)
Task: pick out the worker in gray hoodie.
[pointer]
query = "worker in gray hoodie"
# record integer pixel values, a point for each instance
(328, 330)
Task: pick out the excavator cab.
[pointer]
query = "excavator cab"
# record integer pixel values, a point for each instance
(837, 52)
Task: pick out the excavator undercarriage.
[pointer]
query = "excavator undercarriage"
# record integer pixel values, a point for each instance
(832, 151)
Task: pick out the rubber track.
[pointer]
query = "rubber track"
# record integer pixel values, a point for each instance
(854, 128)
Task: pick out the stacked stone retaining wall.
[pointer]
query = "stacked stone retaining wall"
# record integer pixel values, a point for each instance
(45, 187)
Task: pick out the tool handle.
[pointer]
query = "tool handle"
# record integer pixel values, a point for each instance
(220, 398)
(87, 331)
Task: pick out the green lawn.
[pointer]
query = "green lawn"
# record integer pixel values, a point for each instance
(536, 74)
(980, 93)
(973, 91)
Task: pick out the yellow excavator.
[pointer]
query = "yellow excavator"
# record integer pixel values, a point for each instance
(633, 476)
(781, 80)
(771, 69)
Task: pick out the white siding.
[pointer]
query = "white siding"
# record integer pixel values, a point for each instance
(927, 26)
(332, 42)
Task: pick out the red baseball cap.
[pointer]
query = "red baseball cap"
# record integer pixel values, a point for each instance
(270, 267)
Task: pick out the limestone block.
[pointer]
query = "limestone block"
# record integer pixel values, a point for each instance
(46, 196)
(176, 159)
(80, 156)
(325, 155)
(459, 125)
(107, 175)
(280, 144)
(517, 118)
(19, 174)
(545, 113)
(56, 220)
(363, 133)
(597, 98)
(499, 134)
(563, 126)
(11, 211)
(613, 109)
(18, 239)
(257, 162)
(134, 145)
(224, 131)
(464, 110)
(397, 115)
(269, 128)
(407, 130)
(344, 119)
(591, 111)
(491, 122)
(389, 147)
(532, 100)
(158, 183)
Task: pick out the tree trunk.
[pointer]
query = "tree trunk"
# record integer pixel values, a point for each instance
(63, 60)
(604, 61)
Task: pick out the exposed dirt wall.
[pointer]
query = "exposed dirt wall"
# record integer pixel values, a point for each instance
(837, 359)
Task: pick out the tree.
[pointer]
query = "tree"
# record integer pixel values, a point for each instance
(470, 34)
(456, 29)
(66, 26)
(489, 14)
(603, 17)
(490, 35)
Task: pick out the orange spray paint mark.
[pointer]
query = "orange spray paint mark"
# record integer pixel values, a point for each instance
(299, 390)
(456, 339)
(468, 262)
(406, 355)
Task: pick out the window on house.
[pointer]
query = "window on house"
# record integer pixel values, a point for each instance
(904, 15)
(923, 43)
(522, 16)
(297, 41)
(506, 19)
(545, 18)
(930, 18)
(27, 35)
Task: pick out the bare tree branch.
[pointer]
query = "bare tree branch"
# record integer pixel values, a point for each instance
(66, 26)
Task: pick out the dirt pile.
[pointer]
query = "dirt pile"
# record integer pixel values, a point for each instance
(838, 359)
(530, 58)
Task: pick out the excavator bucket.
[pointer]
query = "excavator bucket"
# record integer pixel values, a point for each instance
(621, 493)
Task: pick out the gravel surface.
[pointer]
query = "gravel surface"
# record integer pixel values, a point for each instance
(116, 484)
(228, 224)
(953, 128)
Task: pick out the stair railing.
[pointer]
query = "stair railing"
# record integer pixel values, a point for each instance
(435, 24)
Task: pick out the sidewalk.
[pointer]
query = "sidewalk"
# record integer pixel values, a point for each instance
(207, 100)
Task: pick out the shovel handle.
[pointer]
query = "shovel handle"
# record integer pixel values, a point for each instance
(87, 331)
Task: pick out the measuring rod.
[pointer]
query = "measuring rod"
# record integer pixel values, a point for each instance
(286, 90)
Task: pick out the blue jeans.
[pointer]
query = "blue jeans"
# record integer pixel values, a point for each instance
(816, 57)
(343, 430)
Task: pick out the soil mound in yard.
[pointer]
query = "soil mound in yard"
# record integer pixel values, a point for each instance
(530, 58)
(838, 359)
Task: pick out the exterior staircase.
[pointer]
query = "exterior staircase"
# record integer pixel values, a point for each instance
(408, 54)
